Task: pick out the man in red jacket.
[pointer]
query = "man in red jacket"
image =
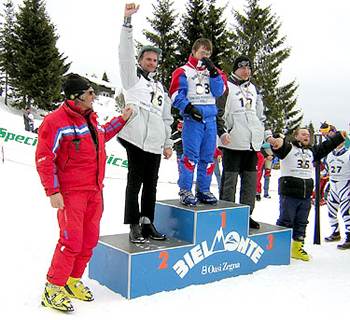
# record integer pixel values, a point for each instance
(70, 159)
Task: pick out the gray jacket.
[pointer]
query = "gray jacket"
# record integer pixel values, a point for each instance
(241, 114)
(149, 126)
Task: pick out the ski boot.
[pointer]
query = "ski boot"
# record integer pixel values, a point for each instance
(346, 244)
(298, 251)
(76, 289)
(187, 198)
(335, 236)
(55, 297)
(206, 197)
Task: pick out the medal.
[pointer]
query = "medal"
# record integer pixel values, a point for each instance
(199, 88)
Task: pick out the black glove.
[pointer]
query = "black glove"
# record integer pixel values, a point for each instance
(193, 112)
(210, 66)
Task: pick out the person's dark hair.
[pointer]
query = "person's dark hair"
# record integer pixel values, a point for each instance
(206, 43)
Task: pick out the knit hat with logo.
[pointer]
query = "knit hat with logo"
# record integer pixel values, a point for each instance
(242, 61)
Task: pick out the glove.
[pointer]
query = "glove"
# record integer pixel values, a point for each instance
(193, 112)
(210, 66)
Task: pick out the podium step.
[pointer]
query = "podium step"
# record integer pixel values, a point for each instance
(265, 228)
(205, 244)
(122, 243)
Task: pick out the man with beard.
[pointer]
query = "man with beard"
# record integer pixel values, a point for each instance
(296, 182)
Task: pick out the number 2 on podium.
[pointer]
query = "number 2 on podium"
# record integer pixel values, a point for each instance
(164, 256)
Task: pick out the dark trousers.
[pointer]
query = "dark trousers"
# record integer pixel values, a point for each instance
(294, 213)
(143, 170)
(242, 163)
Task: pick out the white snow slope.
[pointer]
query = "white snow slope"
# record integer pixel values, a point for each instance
(318, 289)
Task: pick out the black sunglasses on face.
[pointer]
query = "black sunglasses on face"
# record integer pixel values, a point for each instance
(243, 64)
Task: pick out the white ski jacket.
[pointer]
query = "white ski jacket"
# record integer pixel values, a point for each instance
(241, 114)
(149, 126)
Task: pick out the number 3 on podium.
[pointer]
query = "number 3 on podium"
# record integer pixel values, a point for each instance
(270, 239)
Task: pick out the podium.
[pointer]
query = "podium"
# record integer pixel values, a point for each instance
(205, 244)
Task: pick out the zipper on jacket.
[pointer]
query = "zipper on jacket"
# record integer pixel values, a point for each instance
(147, 129)
(76, 140)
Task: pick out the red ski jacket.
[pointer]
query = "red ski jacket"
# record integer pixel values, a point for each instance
(67, 158)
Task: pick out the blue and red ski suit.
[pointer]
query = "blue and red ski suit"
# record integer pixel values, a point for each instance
(199, 138)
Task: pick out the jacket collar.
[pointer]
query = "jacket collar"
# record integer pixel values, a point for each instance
(75, 110)
(195, 63)
(299, 145)
(340, 151)
(147, 75)
(238, 81)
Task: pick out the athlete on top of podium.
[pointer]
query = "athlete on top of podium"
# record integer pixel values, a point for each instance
(193, 90)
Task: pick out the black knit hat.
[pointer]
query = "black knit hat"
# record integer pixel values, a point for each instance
(242, 61)
(75, 86)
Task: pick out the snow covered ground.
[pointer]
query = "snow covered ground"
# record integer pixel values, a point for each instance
(318, 289)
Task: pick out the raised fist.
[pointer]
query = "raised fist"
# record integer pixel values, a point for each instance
(130, 9)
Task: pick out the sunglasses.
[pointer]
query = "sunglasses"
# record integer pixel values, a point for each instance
(243, 64)
(206, 53)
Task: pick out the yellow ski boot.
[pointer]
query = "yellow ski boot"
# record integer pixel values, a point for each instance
(55, 297)
(76, 289)
(298, 251)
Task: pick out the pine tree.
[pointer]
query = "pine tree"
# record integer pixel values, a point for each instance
(287, 102)
(104, 77)
(257, 34)
(39, 66)
(202, 19)
(164, 37)
(215, 29)
(7, 58)
(192, 27)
